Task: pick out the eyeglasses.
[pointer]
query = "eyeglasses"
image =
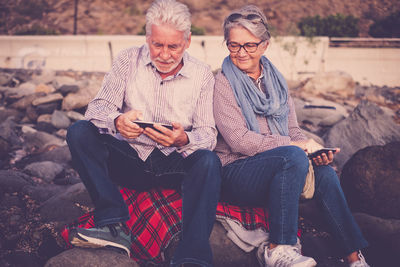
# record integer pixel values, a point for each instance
(251, 17)
(248, 47)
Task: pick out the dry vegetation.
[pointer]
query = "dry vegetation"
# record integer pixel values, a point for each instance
(127, 16)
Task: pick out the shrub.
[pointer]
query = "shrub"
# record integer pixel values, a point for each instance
(333, 26)
(36, 29)
(386, 27)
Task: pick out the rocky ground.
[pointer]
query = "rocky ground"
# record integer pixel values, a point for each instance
(40, 192)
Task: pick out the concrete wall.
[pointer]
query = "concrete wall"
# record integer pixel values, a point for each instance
(296, 57)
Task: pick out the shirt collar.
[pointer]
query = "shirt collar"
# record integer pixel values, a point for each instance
(184, 71)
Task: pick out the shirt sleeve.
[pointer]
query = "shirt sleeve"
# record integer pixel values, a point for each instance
(203, 134)
(107, 105)
(232, 126)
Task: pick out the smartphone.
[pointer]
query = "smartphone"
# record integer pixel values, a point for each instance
(322, 150)
(144, 124)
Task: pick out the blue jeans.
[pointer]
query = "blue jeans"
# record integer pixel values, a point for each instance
(274, 179)
(103, 161)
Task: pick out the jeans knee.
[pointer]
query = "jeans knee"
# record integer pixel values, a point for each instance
(326, 176)
(297, 157)
(78, 131)
(208, 160)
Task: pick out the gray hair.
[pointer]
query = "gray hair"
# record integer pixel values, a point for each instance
(259, 30)
(169, 12)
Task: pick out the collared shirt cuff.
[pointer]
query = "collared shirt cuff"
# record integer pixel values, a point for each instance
(185, 150)
(111, 122)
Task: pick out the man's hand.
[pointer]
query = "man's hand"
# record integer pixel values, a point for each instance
(166, 137)
(126, 127)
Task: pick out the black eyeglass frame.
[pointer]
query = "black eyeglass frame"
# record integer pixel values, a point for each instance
(244, 46)
(251, 17)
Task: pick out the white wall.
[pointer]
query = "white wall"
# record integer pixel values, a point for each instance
(295, 57)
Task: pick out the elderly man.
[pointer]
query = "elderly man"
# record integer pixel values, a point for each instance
(158, 83)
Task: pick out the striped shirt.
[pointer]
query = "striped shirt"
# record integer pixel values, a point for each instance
(134, 84)
(235, 141)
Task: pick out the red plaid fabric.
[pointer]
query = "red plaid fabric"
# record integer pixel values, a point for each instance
(156, 218)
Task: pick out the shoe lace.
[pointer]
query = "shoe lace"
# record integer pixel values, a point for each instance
(287, 254)
(361, 262)
(113, 230)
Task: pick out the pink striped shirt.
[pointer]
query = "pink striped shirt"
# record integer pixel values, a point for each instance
(134, 83)
(235, 141)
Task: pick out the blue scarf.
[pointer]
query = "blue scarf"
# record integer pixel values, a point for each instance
(252, 101)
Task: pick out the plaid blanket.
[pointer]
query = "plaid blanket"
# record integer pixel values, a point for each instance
(156, 219)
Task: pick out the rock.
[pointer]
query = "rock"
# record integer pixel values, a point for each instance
(371, 180)
(5, 78)
(4, 148)
(47, 108)
(336, 82)
(367, 125)
(44, 118)
(26, 101)
(75, 116)
(91, 257)
(59, 154)
(41, 139)
(24, 89)
(313, 111)
(8, 131)
(6, 113)
(60, 120)
(42, 192)
(66, 207)
(44, 88)
(59, 81)
(46, 76)
(13, 181)
(310, 135)
(47, 170)
(31, 113)
(21, 258)
(47, 99)
(82, 98)
(66, 89)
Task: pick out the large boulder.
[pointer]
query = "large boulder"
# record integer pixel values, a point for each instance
(336, 82)
(90, 257)
(367, 125)
(371, 181)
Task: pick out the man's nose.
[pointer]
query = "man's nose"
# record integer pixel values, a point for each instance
(165, 54)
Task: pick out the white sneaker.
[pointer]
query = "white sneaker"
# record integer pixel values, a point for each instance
(361, 262)
(287, 256)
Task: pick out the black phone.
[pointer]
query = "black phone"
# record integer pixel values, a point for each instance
(144, 124)
(321, 151)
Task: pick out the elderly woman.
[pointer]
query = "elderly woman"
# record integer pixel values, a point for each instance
(263, 150)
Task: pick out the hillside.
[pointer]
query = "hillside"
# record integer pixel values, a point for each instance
(127, 16)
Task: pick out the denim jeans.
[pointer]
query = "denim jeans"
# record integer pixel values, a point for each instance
(103, 162)
(274, 179)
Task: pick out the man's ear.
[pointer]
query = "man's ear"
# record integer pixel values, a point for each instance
(189, 40)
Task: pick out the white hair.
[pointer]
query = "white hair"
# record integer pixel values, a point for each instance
(169, 12)
(259, 30)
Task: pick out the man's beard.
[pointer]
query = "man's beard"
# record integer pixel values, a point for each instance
(171, 68)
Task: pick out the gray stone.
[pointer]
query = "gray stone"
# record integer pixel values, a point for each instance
(82, 98)
(318, 115)
(46, 170)
(44, 118)
(8, 131)
(47, 108)
(59, 154)
(67, 206)
(6, 113)
(41, 139)
(371, 180)
(90, 257)
(24, 89)
(75, 116)
(13, 181)
(42, 192)
(4, 148)
(66, 89)
(5, 78)
(60, 120)
(59, 81)
(47, 99)
(45, 77)
(25, 101)
(367, 125)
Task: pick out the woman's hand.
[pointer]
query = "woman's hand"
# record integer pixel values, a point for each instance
(325, 158)
(125, 125)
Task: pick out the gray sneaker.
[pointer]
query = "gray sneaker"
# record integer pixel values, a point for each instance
(112, 235)
(287, 256)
